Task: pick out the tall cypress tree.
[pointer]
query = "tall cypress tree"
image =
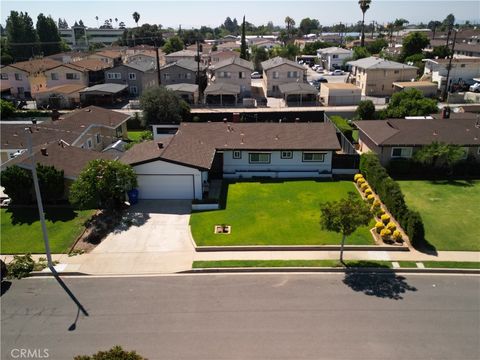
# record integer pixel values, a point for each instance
(21, 36)
(243, 46)
(48, 34)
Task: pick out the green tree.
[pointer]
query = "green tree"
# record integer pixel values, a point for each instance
(243, 46)
(102, 184)
(115, 353)
(360, 53)
(6, 57)
(21, 36)
(173, 44)
(448, 22)
(51, 183)
(17, 183)
(290, 23)
(50, 41)
(308, 25)
(344, 216)
(410, 102)
(365, 110)
(364, 6)
(161, 105)
(440, 155)
(414, 43)
(441, 52)
(259, 55)
(376, 46)
(136, 17)
(6, 109)
(312, 47)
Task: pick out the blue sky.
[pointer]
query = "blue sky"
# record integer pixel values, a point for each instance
(213, 13)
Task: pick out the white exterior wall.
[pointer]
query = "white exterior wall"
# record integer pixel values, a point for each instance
(15, 84)
(457, 73)
(234, 79)
(278, 167)
(61, 74)
(160, 167)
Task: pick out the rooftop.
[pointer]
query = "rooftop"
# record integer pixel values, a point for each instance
(378, 63)
(277, 61)
(188, 64)
(233, 60)
(63, 89)
(107, 88)
(183, 87)
(344, 86)
(36, 66)
(414, 84)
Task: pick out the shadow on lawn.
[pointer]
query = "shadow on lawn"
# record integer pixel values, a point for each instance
(385, 284)
(29, 215)
(453, 182)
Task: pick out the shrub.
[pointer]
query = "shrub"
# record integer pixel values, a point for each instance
(18, 183)
(376, 204)
(361, 181)
(343, 125)
(380, 212)
(7, 109)
(415, 229)
(357, 177)
(391, 226)
(368, 192)
(364, 187)
(370, 198)
(385, 218)
(365, 110)
(115, 353)
(385, 234)
(379, 227)
(20, 266)
(397, 236)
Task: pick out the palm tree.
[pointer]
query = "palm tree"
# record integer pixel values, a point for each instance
(116, 22)
(290, 24)
(136, 17)
(96, 18)
(364, 6)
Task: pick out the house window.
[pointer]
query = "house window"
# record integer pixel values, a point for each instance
(73, 76)
(462, 65)
(286, 155)
(98, 138)
(21, 90)
(54, 76)
(275, 75)
(4, 76)
(402, 152)
(275, 88)
(259, 158)
(292, 74)
(237, 154)
(396, 71)
(113, 76)
(225, 74)
(335, 56)
(241, 75)
(465, 153)
(18, 77)
(132, 76)
(89, 144)
(313, 156)
(118, 131)
(189, 76)
(166, 76)
(133, 90)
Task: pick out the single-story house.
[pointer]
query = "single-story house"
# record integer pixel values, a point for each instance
(181, 71)
(59, 97)
(400, 138)
(221, 94)
(428, 89)
(340, 94)
(103, 94)
(177, 167)
(188, 92)
(463, 71)
(298, 93)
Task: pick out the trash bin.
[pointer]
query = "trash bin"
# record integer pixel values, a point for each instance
(133, 196)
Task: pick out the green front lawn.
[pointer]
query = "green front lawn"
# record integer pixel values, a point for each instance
(135, 135)
(449, 211)
(275, 213)
(21, 231)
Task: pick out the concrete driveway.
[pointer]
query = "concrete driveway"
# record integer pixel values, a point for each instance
(154, 238)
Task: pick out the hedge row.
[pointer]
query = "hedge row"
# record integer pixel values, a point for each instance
(389, 191)
(411, 169)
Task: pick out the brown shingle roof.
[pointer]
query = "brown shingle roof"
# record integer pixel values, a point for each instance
(421, 132)
(195, 144)
(36, 66)
(90, 64)
(72, 160)
(63, 89)
(145, 151)
(112, 54)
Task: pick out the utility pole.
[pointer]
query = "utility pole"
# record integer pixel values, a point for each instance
(158, 63)
(198, 64)
(38, 195)
(445, 91)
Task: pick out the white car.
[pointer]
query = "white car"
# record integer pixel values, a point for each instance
(475, 87)
(256, 75)
(336, 72)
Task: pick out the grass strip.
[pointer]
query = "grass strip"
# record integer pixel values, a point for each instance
(407, 264)
(451, 264)
(286, 263)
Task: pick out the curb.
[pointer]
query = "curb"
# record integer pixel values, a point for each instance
(300, 248)
(330, 270)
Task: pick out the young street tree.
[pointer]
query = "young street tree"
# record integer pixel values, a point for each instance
(344, 216)
(161, 105)
(364, 6)
(102, 184)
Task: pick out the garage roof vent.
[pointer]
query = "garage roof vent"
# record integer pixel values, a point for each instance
(160, 145)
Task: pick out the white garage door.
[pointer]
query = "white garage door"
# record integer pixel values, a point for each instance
(165, 186)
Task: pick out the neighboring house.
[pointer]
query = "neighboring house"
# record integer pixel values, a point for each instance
(234, 71)
(333, 57)
(401, 138)
(471, 48)
(220, 56)
(188, 92)
(428, 89)
(27, 77)
(181, 71)
(340, 94)
(375, 76)
(180, 55)
(69, 56)
(299, 94)
(138, 76)
(59, 97)
(176, 167)
(91, 128)
(110, 57)
(462, 72)
(87, 72)
(278, 71)
(148, 56)
(104, 94)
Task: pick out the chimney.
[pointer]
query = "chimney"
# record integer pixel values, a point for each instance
(44, 151)
(160, 145)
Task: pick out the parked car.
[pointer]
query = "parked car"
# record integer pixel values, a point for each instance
(256, 75)
(336, 72)
(320, 70)
(475, 87)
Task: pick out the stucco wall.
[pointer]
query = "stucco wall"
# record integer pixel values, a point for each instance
(61, 73)
(378, 82)
(269, 82)
(234, 79)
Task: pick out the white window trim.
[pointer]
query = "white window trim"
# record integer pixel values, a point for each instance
(282, 156)
(89, 143)
(236, 154)
(322, 155)
(130, 77)
(259, 162)
(18, 77)
(4, 76)
(98, 138)
(134, 92)
(407, 156)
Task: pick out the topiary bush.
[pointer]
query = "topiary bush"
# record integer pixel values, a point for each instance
(357, 177)
(376, 204)
(368, 192)
(385, 234)
(391, 226)
(364, 187)
(415, 229)
(360, 181)
(370, 198)
(379, 226)
(397, 236)
(385, 218)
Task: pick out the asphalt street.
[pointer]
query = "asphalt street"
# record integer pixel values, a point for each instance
(275, 316)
